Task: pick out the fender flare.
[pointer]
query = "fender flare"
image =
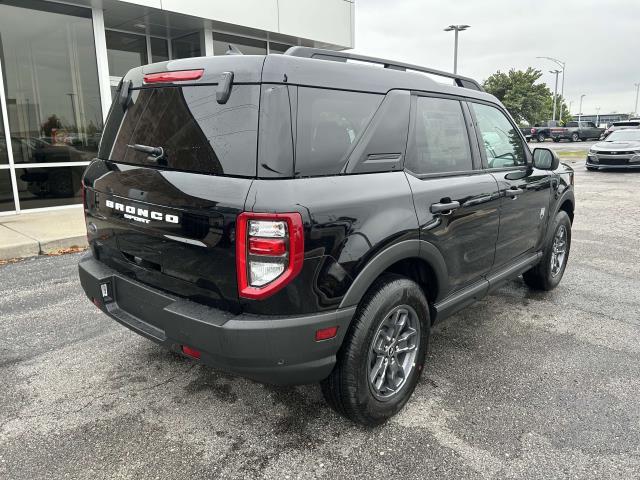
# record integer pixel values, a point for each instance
(564, 196)
(402, 250)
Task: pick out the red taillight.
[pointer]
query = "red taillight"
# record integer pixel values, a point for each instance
(267, 246)
(190, 352)
(175, 76)
(269, 252)
(326, 333)
(533, 130)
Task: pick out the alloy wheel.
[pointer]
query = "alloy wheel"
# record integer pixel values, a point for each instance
(393, 352)
(558, 250)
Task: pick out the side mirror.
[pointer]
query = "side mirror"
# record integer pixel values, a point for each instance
(545, 159)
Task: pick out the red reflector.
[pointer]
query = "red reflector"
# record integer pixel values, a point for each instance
(326, 333)
(190, 352)
(96, 302)
(175, 76)
(267, 246)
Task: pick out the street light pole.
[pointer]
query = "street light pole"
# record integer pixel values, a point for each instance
(580, 112)
(597, 116)
(456, 29)
(563, 65)
(637, 85)
(555, 93)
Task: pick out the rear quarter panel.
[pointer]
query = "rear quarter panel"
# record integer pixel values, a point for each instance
(347, 219)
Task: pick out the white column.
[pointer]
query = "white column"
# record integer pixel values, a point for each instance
(100, 40)
(207, 37)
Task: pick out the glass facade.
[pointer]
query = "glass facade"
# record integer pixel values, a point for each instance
(51, 92)
(187, 46)
(125, 51)
(248, 46)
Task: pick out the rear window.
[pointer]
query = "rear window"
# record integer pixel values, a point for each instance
(196, 132)
(329, 124)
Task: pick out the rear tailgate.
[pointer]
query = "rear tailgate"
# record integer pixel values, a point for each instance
(169, 220)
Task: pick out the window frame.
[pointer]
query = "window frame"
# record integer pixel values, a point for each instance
(483, 154)
(476, 164)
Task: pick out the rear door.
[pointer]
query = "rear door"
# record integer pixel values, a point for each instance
(456, 201)
(525, 192)
(169, 220)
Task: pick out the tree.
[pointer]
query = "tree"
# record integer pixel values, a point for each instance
(527, 101)
(566, 114)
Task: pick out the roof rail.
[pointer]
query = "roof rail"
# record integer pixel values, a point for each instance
(336, 56)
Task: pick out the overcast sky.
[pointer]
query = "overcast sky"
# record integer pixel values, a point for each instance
(598, 40)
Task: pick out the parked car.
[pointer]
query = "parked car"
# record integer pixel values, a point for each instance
(576, 131)
(273, 217)
(620, 150)
(623, 125)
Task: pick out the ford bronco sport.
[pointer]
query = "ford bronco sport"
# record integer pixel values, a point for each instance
(305, 217)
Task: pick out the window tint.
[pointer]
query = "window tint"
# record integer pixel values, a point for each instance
(196, 132)
(440, 141)
(329, 122)
(501, 140)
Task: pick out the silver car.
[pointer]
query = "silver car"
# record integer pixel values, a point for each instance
(621, 150)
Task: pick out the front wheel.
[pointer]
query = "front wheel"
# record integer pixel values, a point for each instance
(575, 137)
(381, 359)
(548, 273)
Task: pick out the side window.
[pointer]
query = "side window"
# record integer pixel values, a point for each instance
(500, 138)
(440, 140)
(329, 122)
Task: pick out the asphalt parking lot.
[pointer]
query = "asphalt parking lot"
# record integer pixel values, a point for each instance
(520, 385)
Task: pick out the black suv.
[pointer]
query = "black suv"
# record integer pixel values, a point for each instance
(305, 217)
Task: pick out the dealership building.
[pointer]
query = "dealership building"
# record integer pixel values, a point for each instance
(60, 63)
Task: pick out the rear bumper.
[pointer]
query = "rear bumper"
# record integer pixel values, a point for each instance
(279, 350)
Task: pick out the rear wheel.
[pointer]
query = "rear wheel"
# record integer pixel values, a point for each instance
(548, 273)
(541, 137)
(381, 359)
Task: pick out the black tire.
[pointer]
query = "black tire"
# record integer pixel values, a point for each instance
(347, 389)
(556, 140)
(542, 276)
(575, 137)
(541, 137)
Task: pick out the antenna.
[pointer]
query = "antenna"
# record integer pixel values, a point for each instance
(233, 50)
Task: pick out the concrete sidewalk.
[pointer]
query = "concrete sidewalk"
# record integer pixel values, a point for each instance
(30, 234)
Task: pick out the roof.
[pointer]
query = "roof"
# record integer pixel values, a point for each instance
(312, 67)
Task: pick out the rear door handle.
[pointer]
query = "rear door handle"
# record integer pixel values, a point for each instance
(513, 192)
(444, 208)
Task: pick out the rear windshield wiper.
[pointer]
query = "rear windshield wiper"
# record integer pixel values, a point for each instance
(155, 153)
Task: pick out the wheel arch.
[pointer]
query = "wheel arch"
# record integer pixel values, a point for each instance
(415, 259)
(567, 205)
